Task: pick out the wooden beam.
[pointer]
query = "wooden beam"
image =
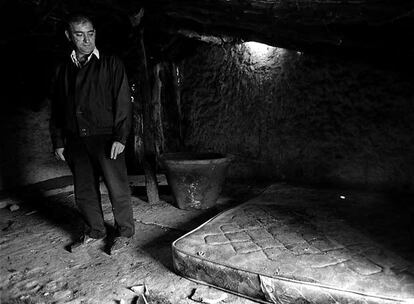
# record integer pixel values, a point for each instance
(156, 110)
(297, 24)
(175, 79)
(150, 151)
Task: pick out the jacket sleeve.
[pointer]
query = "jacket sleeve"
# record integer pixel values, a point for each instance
(122, 102)
(55, 128)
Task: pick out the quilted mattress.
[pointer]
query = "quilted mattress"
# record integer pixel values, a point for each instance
(277, 250)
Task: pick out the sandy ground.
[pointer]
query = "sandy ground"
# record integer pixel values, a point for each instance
(37, 268)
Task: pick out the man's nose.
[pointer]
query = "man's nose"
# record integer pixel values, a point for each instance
(86, 39)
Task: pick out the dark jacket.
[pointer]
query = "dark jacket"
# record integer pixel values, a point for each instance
(91, 100)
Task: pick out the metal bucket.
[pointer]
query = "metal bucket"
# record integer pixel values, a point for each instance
(195, 179)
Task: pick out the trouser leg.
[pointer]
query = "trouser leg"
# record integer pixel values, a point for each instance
(86, 186)
(116, 179)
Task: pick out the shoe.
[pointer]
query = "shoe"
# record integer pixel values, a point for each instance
(119, 243)
(85, 242)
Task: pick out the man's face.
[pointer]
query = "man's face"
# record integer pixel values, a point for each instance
(83, 37)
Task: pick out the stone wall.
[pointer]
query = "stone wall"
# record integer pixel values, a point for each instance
(300, 117)
(26, 151)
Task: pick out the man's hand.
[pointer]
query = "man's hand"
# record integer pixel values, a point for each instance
(59, 154)
(117, 148)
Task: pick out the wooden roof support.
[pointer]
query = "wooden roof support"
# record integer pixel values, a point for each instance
(298, 24)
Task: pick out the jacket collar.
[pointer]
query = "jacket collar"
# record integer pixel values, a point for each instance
(76, 61)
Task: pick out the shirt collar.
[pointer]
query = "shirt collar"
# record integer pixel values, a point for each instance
(76, 61)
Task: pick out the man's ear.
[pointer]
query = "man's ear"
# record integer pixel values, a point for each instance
(67, 35)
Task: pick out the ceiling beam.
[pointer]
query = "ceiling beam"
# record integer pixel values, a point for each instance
(299, 24)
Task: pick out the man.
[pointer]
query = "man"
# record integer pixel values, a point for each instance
(90, 122)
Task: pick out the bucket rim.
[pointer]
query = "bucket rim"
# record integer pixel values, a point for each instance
(195, 157)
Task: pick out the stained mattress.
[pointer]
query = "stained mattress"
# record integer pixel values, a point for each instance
(290, 245)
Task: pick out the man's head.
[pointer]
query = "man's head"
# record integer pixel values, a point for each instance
(81, 32)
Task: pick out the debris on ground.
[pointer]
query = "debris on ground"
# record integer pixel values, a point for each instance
(31, 212)
(62, 295)
(209, 295)
(5, 203)
(142, 292)
(14, 207)
(140, 289)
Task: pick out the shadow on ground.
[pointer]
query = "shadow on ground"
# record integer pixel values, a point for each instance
(234, 193)
(58, 210)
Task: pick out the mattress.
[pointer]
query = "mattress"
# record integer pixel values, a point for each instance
(277, 250)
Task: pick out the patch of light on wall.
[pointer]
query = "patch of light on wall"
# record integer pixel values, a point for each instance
(259, 49)
(261, 52)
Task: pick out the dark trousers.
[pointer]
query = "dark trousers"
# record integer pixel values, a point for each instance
(88, 159)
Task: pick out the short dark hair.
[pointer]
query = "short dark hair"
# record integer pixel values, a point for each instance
(78, 17)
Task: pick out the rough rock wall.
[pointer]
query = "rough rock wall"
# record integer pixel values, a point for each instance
(301, 117)
(26, 150)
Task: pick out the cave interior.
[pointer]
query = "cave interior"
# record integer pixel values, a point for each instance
(310, 95)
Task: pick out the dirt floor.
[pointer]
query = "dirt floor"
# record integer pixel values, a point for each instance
(39, 222)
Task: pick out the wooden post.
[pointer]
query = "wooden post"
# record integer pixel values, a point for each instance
(177, 97)
(137, 127)
(157, 109)
(168, 107)
(150, 153)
